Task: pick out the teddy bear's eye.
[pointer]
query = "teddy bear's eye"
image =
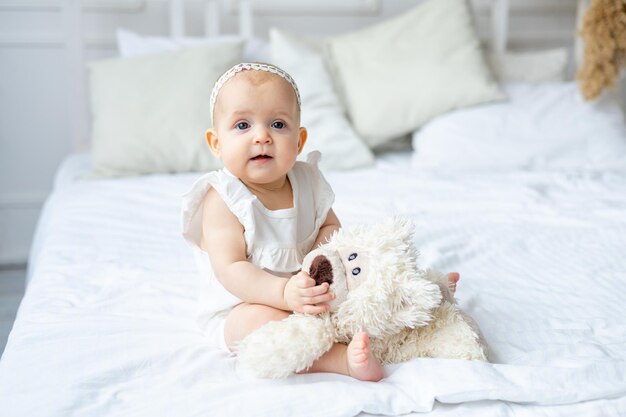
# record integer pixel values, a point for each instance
(352, 257)
(356, 271)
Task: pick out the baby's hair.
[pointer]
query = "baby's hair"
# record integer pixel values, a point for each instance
(248, 66)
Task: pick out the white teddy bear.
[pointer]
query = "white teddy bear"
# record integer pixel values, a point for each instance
(407, 312)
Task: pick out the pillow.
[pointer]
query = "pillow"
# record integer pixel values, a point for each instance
(398, 74)
(322, 113)
(132, 44)
(531, 66)
(150, 112)
(542, 126)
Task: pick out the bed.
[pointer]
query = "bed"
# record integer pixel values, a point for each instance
(107, 326)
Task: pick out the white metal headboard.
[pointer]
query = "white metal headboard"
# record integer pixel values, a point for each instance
(499, 25)
(499, 20)
(211, 18)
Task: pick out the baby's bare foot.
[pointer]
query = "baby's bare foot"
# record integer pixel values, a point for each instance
(453, 278)
(362, 364)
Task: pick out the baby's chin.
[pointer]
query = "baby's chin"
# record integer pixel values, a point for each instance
(261, 176)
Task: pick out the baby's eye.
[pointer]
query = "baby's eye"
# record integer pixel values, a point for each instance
(352, 257)
(278, 125)
(242, 125)
(356, 271)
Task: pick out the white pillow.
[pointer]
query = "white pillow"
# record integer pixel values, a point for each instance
(322, 113)
(530, 66)
(132, 44)
(542, 126)
(398, 74)
(150, 112)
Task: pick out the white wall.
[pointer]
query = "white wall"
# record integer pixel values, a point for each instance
(43, 113)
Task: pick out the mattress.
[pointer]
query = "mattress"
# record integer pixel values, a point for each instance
(107, 325)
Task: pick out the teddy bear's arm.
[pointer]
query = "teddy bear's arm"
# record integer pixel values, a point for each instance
(280, 348)
(420, 298)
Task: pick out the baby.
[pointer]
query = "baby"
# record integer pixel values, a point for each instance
(252, 223)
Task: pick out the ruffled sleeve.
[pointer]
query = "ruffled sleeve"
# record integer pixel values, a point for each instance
(234, 194)
(323, 193)
(191, 213)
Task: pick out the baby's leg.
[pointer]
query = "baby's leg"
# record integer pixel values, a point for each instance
(244, 318)
(355, 360)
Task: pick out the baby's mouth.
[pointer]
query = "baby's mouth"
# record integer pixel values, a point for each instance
(261, 157)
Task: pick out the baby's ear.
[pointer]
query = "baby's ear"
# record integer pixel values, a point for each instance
(302, 135)
(213, 142)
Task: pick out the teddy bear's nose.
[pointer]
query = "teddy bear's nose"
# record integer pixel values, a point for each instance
(321, 270)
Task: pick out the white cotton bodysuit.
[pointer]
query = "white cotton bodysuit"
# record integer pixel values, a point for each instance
(276, 240)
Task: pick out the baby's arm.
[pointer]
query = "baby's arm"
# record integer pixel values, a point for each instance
(327, 229)
(223, 239)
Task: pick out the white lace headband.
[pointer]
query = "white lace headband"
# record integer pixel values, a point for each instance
(246, 66)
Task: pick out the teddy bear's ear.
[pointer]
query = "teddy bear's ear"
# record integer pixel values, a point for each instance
(395, 239)
(383, 307)
(395, 230)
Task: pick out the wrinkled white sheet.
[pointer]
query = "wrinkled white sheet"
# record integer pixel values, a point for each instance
(107, 328)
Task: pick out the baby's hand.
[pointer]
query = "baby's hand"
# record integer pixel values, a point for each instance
(303, 296)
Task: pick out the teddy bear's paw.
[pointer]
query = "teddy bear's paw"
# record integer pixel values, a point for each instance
(280, 348)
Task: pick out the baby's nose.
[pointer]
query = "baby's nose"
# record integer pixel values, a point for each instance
(261, 135)
(321, 270)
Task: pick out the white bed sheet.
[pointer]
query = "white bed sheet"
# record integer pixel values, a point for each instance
(107, 327)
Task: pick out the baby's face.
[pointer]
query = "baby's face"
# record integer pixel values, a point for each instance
(257, 126)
